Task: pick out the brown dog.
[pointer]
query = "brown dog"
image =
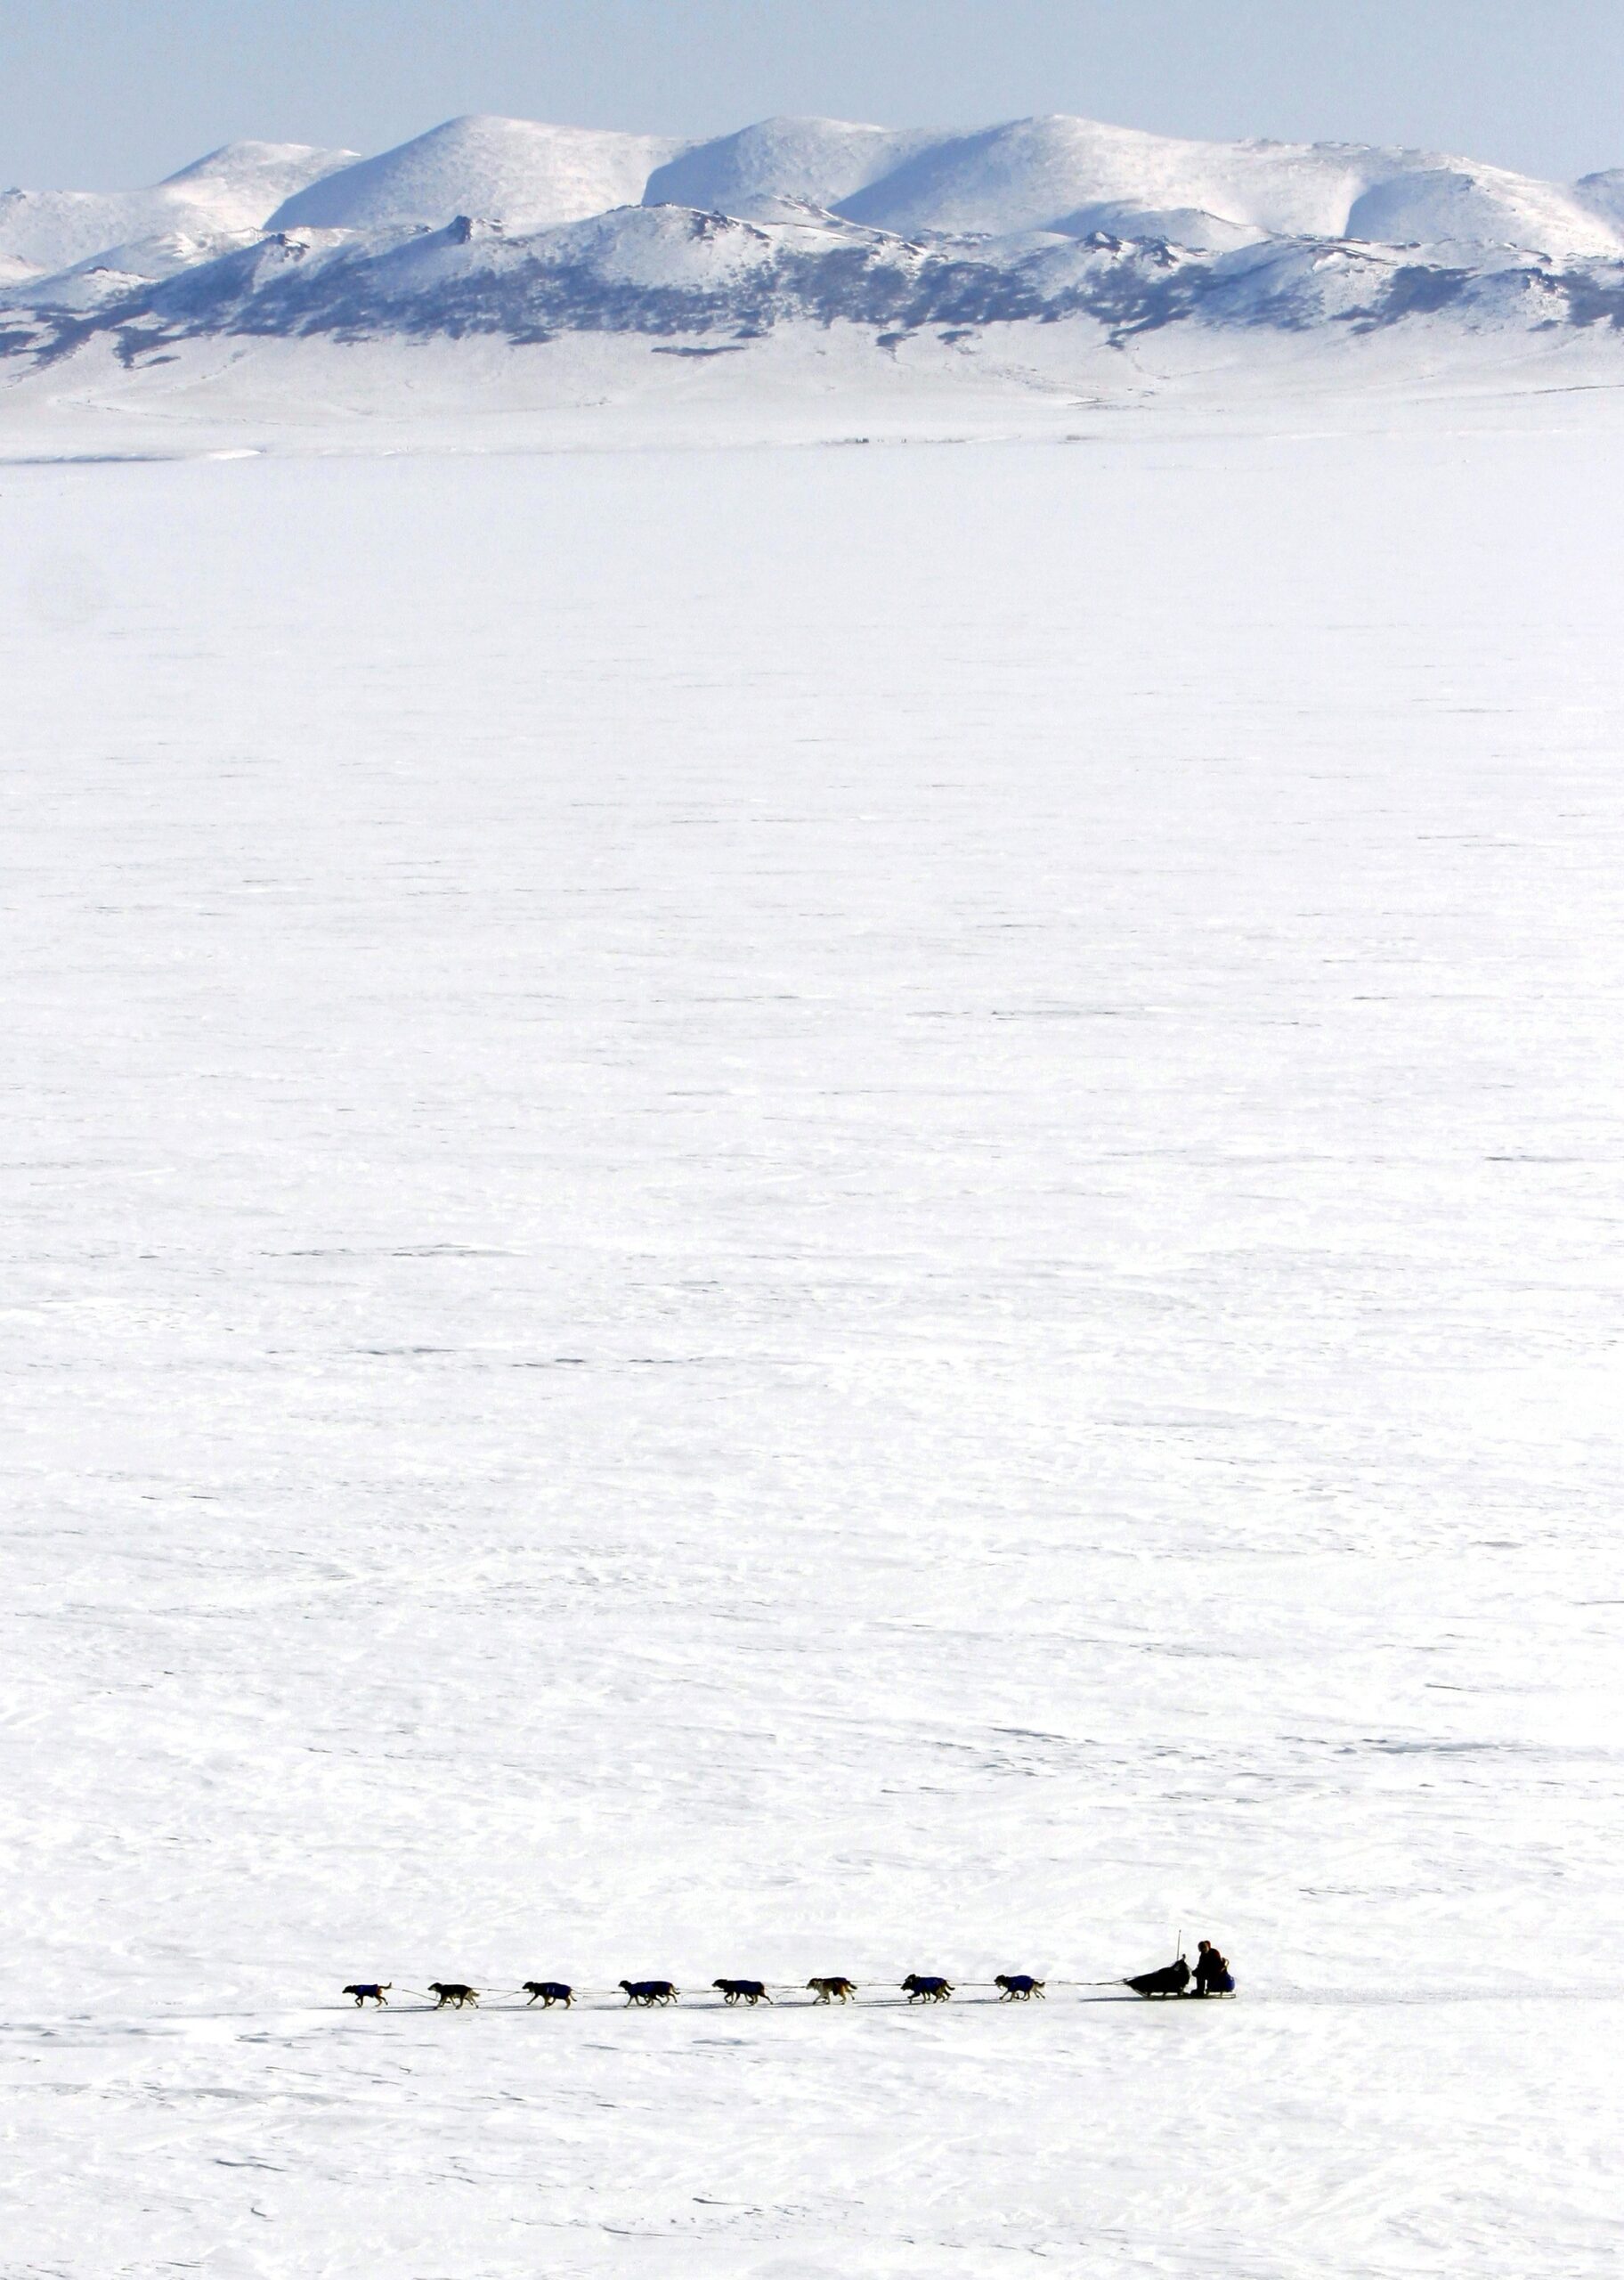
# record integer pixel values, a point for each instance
(546, 1992)
(831, 1990)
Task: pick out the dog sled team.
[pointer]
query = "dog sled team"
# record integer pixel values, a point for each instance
(1211, 1976)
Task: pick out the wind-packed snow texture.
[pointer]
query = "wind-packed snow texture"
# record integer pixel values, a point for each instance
(528, 232)
(777, 1213)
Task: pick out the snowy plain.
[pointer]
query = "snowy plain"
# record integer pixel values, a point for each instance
(789, 1211)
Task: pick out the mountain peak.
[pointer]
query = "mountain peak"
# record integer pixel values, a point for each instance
(522, 172)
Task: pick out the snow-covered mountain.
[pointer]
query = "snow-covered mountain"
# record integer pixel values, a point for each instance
(674, 272)
(508, 170)
(819, 162)
(524, 231)
(1057, 174)
(237, 188)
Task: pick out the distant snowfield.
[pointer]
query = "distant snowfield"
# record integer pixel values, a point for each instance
(785, 1212)
(801, 386)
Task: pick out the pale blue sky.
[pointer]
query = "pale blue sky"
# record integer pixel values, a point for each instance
(102, 94)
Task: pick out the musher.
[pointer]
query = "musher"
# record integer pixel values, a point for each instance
(1212, 1975)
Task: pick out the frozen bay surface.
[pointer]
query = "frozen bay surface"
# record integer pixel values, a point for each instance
(787, 1212)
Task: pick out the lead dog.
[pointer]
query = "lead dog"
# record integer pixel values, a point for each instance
(1019, 1987)
(929, 1990)
(836, 1991)
(371, 1991)
(453, 1991)
(546, 1992)
(649, 1991)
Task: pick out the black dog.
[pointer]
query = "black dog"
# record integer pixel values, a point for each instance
(742, 1990)
(1019, 1987)
(649, 1991)
(370, 1991)
(927, 1990)
(549, 1991)
(453, 1991)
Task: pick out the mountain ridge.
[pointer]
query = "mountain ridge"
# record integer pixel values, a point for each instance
(234, 187)
(518, 231)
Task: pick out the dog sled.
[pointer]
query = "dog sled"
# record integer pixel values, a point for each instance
(1175, 1979)
(1172, 1979)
